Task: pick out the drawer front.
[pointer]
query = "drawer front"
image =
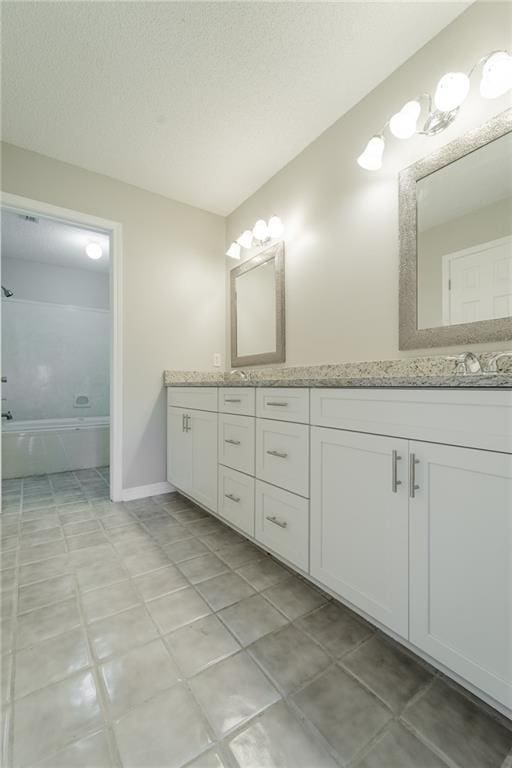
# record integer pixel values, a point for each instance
(241, 400)
(282, 455)
(287, 404)
(199, 398)
(236, 442)
(471, 418)
(282, 523)
(236, 499)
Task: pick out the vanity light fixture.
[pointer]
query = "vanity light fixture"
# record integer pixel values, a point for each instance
(262, 232)
(94, 251)
(451, 92)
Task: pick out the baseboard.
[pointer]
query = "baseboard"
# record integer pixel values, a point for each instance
(142, 491)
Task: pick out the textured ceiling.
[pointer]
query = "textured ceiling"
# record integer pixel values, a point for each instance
(201, 102)
(51, 242)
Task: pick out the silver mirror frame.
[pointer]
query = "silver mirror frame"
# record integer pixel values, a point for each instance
(279, 355)
(410, 336)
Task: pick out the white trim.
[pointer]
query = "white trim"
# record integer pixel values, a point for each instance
(115, 230)
(51, 304)
(143, 491)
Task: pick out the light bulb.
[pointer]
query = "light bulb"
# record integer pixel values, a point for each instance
(245, 239)
(94, 251)
(496, 75)
(371, 159)
(275, 227)
(451, 91)
(233, 251)
(260, 230)
(403, 124)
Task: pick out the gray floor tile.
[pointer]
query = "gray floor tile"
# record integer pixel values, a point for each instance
(177, 609)
(105, 601)
(41, 537)
(161, 582)
(458, 728)
(224, 590)
(7, 578)
(201, 644)
(45, 569)
(398, 748)
(94, 576)
(294, 597)
(86, 526)
(263, 573)
(211, 759)
(232, 691)
(5, 677)
(278, 740)
(252, 618)
(336, 628)
(121, 632)
(90, 752)
(41, 552)
(84, 540)
(221, 539)
(344, 713)
(138, 564)
(45, 592)
(47, 622)
(184, 550)
(202, 568)
(6, 635)
(239, 554)
(137, 676)
(392, 674)
(167, 731)
(48, 719)
(290, 657)
(50, 661)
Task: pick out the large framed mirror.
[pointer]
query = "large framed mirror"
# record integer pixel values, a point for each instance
(257, 309)
(455, 283)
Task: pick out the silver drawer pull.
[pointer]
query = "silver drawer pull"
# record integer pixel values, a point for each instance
(232, 497)
(278, 403)
(413, 486)
(232, 442)
(277, 522)
(232, 400)
(279, 454)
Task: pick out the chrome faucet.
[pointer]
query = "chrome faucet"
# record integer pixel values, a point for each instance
(238, 372)
(492, 365)
(467, 362)
(7, 415)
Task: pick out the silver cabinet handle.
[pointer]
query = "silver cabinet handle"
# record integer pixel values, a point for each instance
(278, 403)
(279, 454)
(277, 522)
(232, 442)
(232, 400)
(188, 422)
(413, 487)
(183, 422)
(395, 482)
(232, 497)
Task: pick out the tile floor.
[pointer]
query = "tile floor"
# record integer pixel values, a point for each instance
(149, 635)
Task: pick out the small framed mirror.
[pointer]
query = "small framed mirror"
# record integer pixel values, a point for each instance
(257, 309)
(456, 241)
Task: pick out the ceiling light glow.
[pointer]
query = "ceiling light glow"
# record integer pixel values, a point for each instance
(403, 124)
(371, 158)
(234, 251)
(496, 75)
(94, 251)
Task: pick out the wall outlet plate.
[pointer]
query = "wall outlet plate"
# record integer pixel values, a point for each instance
(216, 359)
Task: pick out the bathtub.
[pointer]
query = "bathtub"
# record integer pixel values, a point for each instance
(44, 446)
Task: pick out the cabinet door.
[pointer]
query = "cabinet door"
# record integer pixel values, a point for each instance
(179, 466)
(236, 499)
(461, 563)
(282, 455)
(236, 442)
(203, 435)
(359, 524)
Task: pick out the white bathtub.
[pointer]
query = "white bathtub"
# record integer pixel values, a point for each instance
(54, 445)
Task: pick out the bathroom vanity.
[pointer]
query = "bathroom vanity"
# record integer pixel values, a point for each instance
(397, 501)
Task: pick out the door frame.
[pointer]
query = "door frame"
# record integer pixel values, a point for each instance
(114, 229)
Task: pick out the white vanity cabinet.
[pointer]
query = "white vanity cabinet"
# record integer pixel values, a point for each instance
(192, 443)
(359, 521)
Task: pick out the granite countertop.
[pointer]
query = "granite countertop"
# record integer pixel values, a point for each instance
(419, 372)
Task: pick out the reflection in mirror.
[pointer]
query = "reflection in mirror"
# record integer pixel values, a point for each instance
(464, 238)
(257, 309)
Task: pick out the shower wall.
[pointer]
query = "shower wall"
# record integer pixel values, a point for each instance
(55, 341)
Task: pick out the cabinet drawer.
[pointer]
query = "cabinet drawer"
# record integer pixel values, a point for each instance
(241, 400)
(236, 499)
(287, 404)
(200, 398)
(282, 523)
(236, 442)
(282, 455)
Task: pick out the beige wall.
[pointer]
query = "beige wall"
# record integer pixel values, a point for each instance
(342, 222)
(173, 289)
(489, 223)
